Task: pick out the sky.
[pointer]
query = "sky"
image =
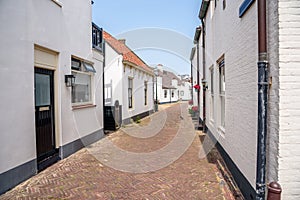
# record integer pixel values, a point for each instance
(158, 31)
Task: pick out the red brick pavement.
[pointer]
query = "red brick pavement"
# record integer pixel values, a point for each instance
(82, 176)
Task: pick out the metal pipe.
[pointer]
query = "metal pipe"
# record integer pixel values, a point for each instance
(204, 77)
(274, 191)
(192, 84)
(156, 103)
(198, 74)
(262, 102)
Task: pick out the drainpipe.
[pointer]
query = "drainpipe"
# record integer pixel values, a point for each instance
(262, 101)
(192, 93)
(103, 82)
(204, 76)
(198, 75)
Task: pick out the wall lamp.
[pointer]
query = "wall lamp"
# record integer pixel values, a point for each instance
(69, 80)
(204, 84)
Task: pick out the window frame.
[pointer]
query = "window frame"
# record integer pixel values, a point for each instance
(145, 93)
(129, 91)
(222, 91)
(165, 93)
(212, 94)
(80, 69)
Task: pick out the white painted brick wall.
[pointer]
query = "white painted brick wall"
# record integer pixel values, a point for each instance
(235, 37)
(273, 106)
(289, 102)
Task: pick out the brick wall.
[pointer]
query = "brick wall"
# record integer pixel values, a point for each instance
(289, 102)
(236, 38)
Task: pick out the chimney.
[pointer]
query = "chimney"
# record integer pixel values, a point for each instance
(123, 41)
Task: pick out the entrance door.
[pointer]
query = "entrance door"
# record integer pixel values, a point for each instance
(44, 117)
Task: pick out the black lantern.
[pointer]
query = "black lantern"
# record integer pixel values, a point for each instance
(69, 80)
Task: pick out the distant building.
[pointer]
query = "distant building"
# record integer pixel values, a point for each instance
(170, 87)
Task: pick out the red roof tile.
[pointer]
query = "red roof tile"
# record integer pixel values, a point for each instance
(128, 54)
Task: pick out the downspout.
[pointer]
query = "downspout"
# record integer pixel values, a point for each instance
(198, 75)
(204, 76)
(262, 101)
(192, 93)
(103, 82)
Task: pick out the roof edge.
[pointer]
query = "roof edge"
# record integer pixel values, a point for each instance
(192, 53)
(138, 67)
(203, 8)
(197, 34)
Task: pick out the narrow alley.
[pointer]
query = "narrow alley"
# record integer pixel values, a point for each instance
(85, 175)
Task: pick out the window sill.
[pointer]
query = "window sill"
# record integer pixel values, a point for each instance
(77, 107)
(57, 3)
(221, 129)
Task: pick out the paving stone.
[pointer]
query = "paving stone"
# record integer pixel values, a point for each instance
(83, 176)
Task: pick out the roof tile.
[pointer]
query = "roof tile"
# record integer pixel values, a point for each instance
(128, 54)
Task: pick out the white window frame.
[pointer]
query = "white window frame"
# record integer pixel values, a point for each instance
(165, 93)
(212, 95)
(87, 69)
(131, 92)
(145, 93)
(222, 95)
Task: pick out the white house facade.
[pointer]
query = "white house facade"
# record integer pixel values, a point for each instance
(45, 117)
(128, 84)
(185, 90)
(232, 47)
(167, 86)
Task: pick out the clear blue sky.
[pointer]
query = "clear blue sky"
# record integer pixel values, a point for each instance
(179, 17)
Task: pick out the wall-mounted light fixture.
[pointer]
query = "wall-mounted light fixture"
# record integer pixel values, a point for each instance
(69, 80)
(204, 84)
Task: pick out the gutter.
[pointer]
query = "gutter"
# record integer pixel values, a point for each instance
(262, 65)
(125, 62)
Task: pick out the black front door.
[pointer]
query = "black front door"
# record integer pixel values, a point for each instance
(44, 117)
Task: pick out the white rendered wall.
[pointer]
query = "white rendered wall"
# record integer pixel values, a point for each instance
(166, 99)
(138, 106)
(236, 38)
(186, 91)
(113, 74)
(46, 24)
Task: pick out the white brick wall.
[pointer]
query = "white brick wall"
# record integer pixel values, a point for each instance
(236, 38)
(289, 102)
(273, 106)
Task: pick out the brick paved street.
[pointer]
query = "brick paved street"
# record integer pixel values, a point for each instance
(83, 176)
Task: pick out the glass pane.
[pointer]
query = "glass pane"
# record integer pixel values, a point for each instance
(212, 81)
(75, 64)
(223, 111)
(81, 91)
(42, 89)
(89, 68)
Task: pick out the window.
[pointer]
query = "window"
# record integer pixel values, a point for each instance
(130, 86)
(172, 93)
(81, 90)
(145, 92)
(215, 3)
(222, 91)
(212, 95)
(165, 93)
(97, 37)
(182, 93)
